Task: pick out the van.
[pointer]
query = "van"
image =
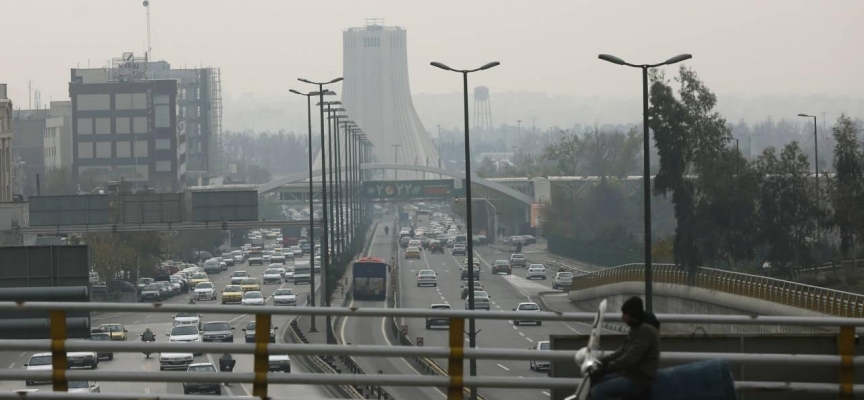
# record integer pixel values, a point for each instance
(302, 272)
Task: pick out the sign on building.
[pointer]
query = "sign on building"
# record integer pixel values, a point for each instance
(420, 189)
(128, 68)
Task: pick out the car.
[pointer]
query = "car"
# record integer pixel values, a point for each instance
(149, 293)
(517, 260)
(232, 294)
(82, 359)
(187, 318)
(184, 334)
(175, 360)
(197, 278)
(253, 298)
(176, 285)
(39, 362)
(464, 274)
(278, 258)
(164, 290)
(83, 387)
(279, 363)
(288, 274)
(256, 258)
(285, 297)
(298, 251)
(438, 321)
(102, 337)
(238, 276)
(459, 250)
(238, 258)
(228, 258)
(250, 332)
(465, 287)
(427, 277)
(562, 280)
(205, 387)
(415, 243)
(205, 291)
(114, 331)
(502, 266)
(536, 271)
(264, 258)
(412, 252)
(250, 285)
(436, 246)
(527, 307)
(272, 275)
(538, 365)
(404, 241)
(217, 331)
(481, 301)
(142, 282)
(288, 254)
(211, 266)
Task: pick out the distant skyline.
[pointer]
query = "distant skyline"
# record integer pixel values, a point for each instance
(741, 48)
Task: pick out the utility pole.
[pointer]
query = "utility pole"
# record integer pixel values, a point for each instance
(519, 135)
(439, 146)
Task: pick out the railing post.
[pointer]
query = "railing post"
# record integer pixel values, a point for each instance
(262, 339)
(455, 362)
(59, 362)
(846, 347)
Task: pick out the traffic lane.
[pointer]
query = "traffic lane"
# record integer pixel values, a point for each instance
(491, 255)
(373, 331)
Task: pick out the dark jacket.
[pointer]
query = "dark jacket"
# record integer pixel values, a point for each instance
(639, 357)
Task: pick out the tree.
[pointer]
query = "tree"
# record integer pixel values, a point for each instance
(257, 174)
(846, 188)
(608, 153)
(565, 154)
(788, 212)
(487, 168)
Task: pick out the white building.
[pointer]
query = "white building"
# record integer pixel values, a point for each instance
(5, 146)
(57, 140)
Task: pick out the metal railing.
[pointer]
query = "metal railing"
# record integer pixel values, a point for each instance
(454, 379)
(808, 297)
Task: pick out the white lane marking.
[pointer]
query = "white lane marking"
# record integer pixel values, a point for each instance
(21, 355)
(503, 367)
(521, 334)
(136, 322)
(497, 306)
(11, 365)
(147, 390)
(529, 339)
(148, 315)
(546, 393)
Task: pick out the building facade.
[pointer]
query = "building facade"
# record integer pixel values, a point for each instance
(57, 141)
(28, 152)
(5, 146)
(126, 130)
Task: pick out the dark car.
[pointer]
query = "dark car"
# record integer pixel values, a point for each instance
(208, 387)
(250, 332)
(151, 292)
(425, 242)
(217, 331)
(476, 273)
(528, 239)
(436, 247)
(102, 337)
(438, 321)
(404, 241)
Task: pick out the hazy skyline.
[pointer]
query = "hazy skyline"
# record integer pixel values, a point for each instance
(739, 47)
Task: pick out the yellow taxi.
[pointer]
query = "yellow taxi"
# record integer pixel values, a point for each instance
(232, 294)
(250, 284)
(412, 252)
(114, 331)
(197, 278)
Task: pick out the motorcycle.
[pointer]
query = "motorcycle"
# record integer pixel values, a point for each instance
(227, 366)
(148, 340)
(703, 380)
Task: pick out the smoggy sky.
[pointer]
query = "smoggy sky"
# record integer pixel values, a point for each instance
(743, 47)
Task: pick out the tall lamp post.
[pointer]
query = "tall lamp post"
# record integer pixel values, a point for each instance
(338, 192)
(311, 236)
(325, 259)
(472, 335)
(816, 159)
(646, 161)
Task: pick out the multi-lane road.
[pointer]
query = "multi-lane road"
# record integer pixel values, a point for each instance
(160, 323)
(506, 292)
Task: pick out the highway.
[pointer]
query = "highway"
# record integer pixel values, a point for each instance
(506, 293)
(160, 323)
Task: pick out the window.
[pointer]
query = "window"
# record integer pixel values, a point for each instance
(163, 166)
(141, 149)
(139, 101)
(162, 116)
(123, 125)
(163, 144)
(103, 126)
(85, 126)
(85, 150)
(139, 125)
(124, 149)
(123, 101)
(92, 102)
(103, 149)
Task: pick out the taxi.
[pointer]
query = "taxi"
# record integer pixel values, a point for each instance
(412, 252)
(232, 294)
(114, 331)
(197, 278)
(250, 284)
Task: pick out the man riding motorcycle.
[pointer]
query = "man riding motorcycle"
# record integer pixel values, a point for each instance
(386, 230)
(146, 337)
(226, 364)
(632, 369)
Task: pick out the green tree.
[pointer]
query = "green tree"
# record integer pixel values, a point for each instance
(487, 168)
(565, 154)
(788, 212)
(607, 154)
(846, 188)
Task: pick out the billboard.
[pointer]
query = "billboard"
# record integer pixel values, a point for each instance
(218, 206)
(535, 214)
(90, 209)
(420, 189)
(151, 208)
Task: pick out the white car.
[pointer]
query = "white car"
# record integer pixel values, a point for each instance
(265, 258)
(288, 253)
(238, 259)
(288, 274)
(562, 280)
(285, 297)
(175, 361)
(253, 298)
(277, 258)
(38, 362)
(272, 274)
(187, 318)
(536, 271)
(298, 252)
(184, 334)
(238, 276)
(83, 387)
(205, 291)
(527, 307)
(279, 363)
(427, 277)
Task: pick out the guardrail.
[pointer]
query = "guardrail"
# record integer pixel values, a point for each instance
(454, 379)
(814, 298)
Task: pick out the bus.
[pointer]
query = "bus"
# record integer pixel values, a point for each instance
(421, 219)
(370, 279)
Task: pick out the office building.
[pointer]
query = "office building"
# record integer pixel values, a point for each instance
(28, 150)
(5, 146)
(57, 141)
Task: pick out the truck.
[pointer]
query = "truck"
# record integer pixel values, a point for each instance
(421, 219)
(302, 272)
(257, 241)
(291, 235)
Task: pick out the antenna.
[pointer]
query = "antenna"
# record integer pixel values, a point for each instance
(149, 49)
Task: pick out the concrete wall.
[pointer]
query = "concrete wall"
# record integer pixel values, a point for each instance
(681, 299)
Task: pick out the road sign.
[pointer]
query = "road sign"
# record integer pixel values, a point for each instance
(419, 341)
(217, 206)
(420, 189)
(404, 330)
(70, 210)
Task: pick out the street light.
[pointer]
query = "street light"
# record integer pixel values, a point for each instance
(338, 192)
(646, 165)
(816, 159)
(311, 195)
(472, 335)
(325, 259)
